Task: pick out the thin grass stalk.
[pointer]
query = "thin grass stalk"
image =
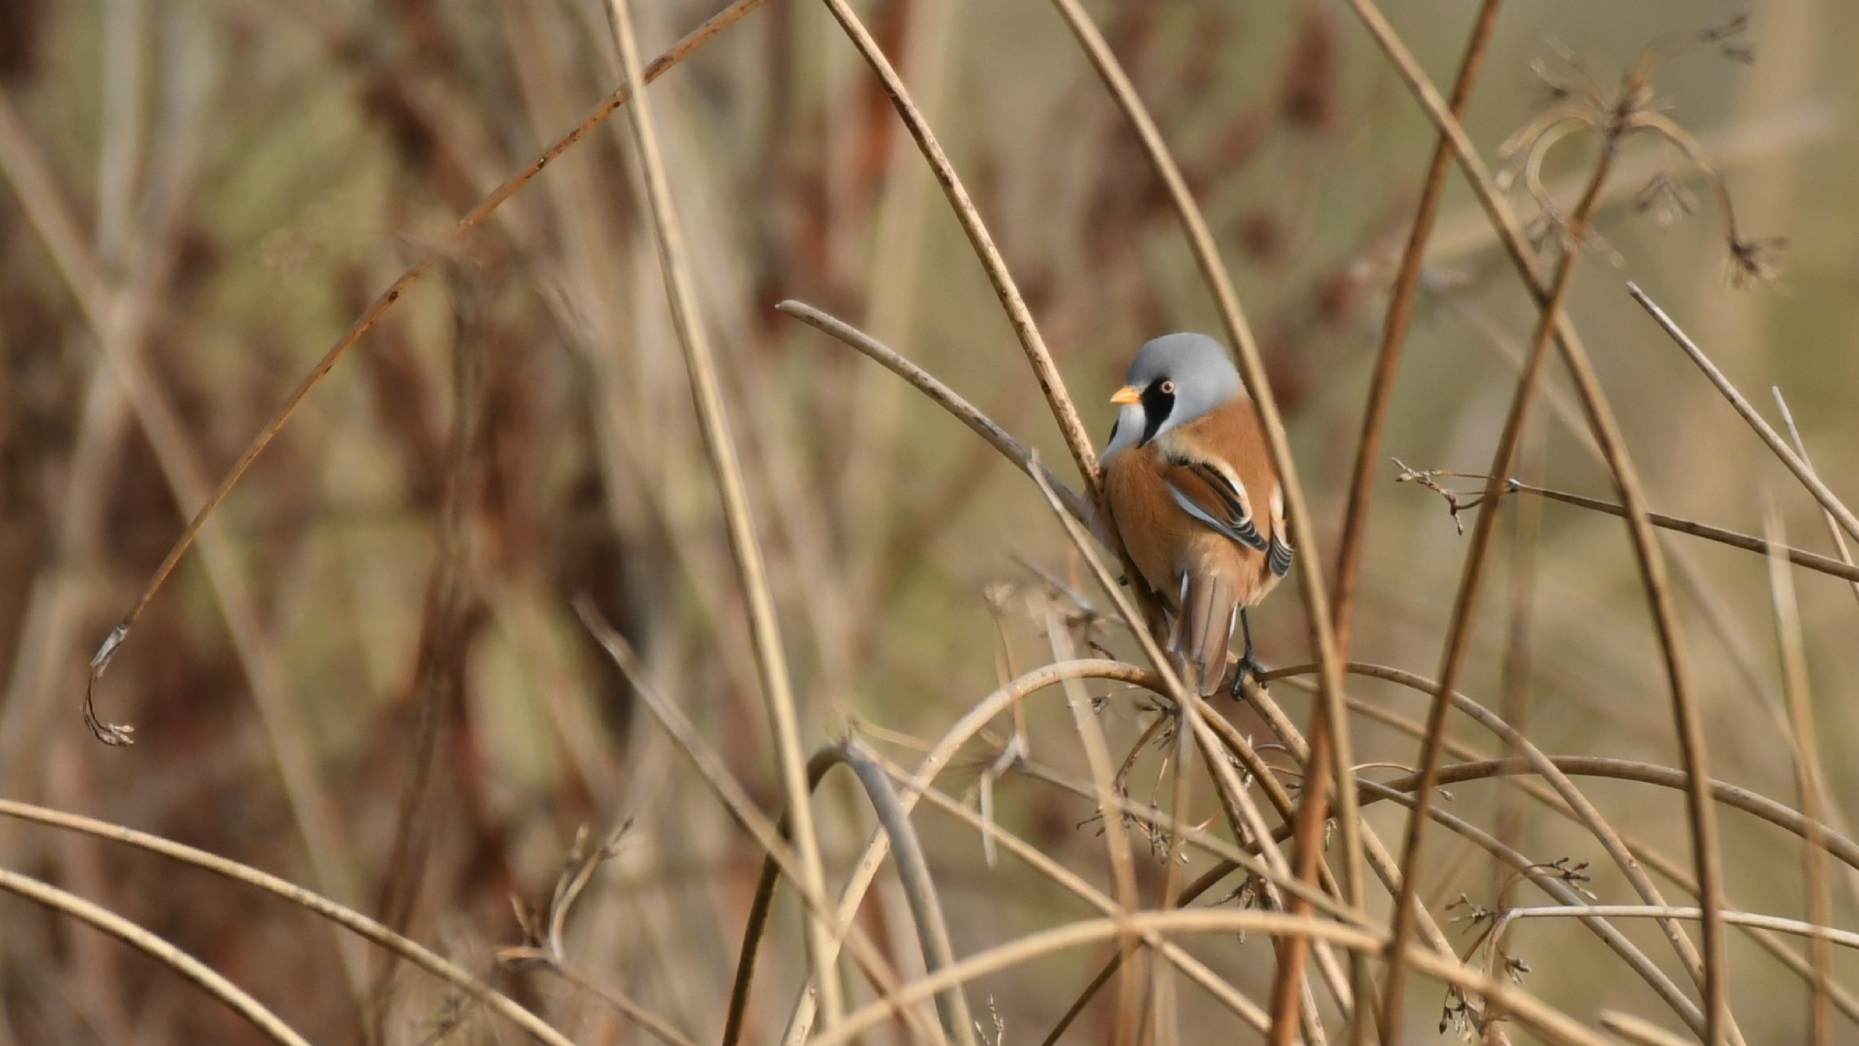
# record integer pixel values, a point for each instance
(994, 704)
(1116, 834)
(1517, 670)
(913, 872)
(950, 400)
(347, 918)
(1591, 817)
(1551, 1024)
(761, 906)
(720, 447)
(1736, 797)
(1795, 691)
(1394, 329)
(1819, 932)
(449, 245)
(1639, 1032)
(1747, 542)
(1800, 448)
(1554, 885)
(1834, 814)
(1474, 766)
(716, 773)
(1244, 1008)
(155, 947)
(1330, 734)
(1045, 371)
(1471, 581)
(1802, 471)
(1646, 552)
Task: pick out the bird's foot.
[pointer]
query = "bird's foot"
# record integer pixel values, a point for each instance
(1249, 668)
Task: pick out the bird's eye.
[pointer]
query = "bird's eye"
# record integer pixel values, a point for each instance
(1168, 388)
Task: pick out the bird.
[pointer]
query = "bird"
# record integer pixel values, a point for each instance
(1191, 490)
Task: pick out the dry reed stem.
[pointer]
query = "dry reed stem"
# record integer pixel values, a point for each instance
(1471, 580)
(1553, 884)
(342, 916)
(1806, 738)
(716, 773)
(745, 544)
(1248, 1011)
(914, 875)
(1641, 1032)
(761, 905)
(1747, 542)
(1590, 816)
(1607, 434)
(1828, 500)
(1394, 327)
(155, 947)
(1330, 735)
(115, 733)
(1835, 815)
(1475, 767)
(1800, 449)
(1552, 1024)
(1116, 834)
(1819, 932)
(1000, 700)
(948, 399)
(1777, 813)
(1045, 371)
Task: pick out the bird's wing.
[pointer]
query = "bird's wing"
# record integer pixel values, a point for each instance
(1278, 559)
(1210, 493)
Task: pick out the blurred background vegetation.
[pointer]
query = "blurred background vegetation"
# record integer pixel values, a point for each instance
(368, 677)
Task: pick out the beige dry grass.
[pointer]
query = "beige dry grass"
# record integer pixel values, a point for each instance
(486, 587)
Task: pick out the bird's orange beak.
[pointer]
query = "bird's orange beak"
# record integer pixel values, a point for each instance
(1127, 394)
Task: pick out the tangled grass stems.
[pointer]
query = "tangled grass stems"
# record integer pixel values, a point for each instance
(1708, 968)
(116, 733)
(322, 907)
(1551, 1024)
(156, 947)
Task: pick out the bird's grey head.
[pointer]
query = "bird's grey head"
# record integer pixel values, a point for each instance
(1173, 380)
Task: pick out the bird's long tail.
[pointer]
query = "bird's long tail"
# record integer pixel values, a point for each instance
(1204, 628)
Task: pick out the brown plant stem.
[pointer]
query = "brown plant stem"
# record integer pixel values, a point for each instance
(1394, 329)
(1045, 371)
(1708, 970)
(1802, 471)
(745, 543)
(1471, 580)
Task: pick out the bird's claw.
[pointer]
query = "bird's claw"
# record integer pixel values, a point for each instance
(1249, 668)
